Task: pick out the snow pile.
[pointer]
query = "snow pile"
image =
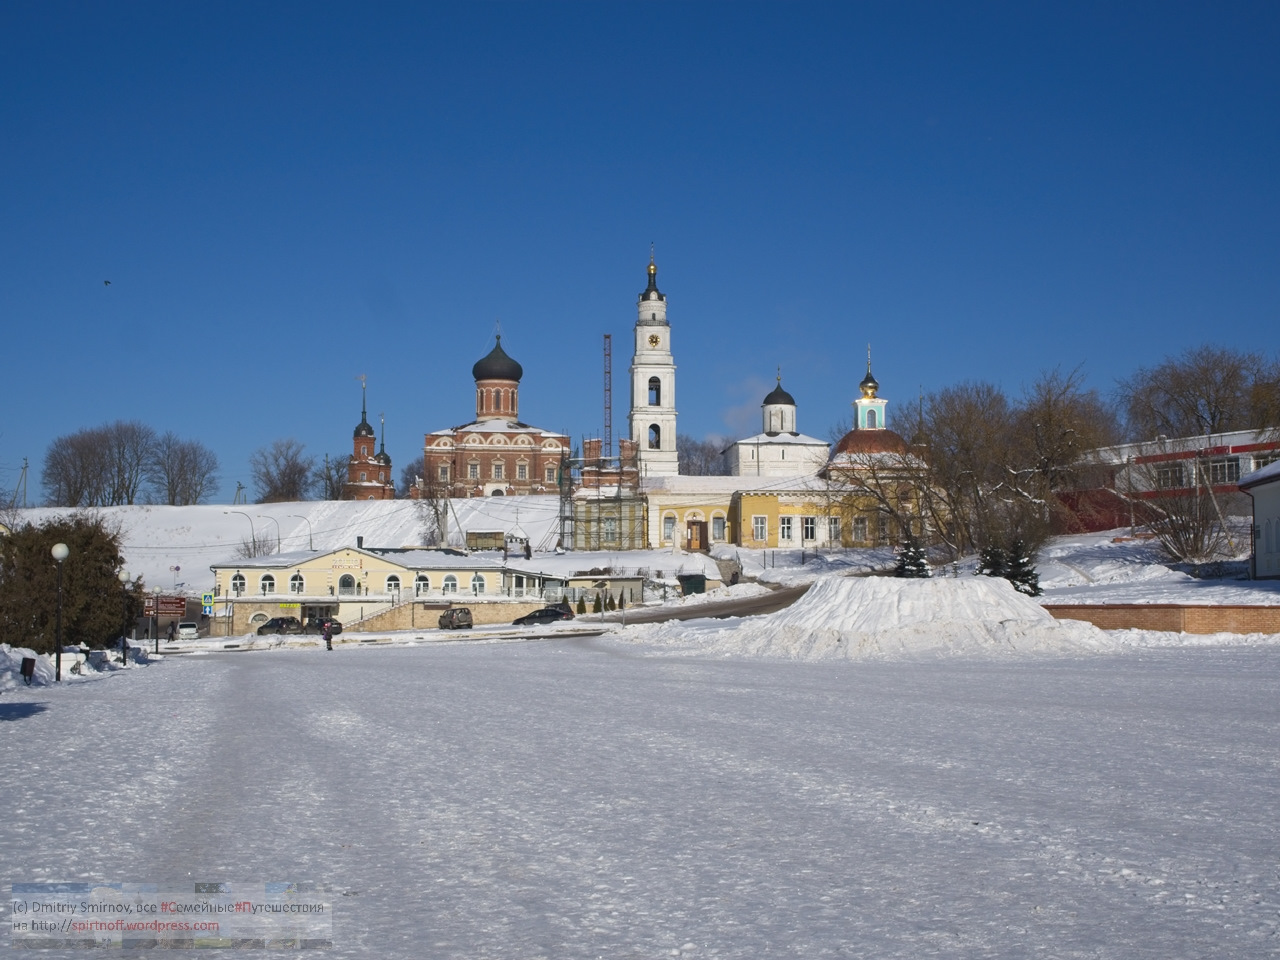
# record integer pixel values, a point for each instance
(11, 668)
(891, 618)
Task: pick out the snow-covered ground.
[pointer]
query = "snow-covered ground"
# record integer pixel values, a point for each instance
(888, 768)
(583, 799)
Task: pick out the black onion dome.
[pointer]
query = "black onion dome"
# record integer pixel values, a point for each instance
(497, 366)
(363, 429)
(779, 396)
(383, 457)
(651, 292)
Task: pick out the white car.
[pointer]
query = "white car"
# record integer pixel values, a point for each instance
(188, 631)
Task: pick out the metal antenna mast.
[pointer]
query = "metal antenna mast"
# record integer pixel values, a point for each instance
(607, 446)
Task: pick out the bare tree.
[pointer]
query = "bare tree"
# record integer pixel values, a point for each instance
(408, 479)
(99, 467)
(331, 476)
(182, 472)
(1205, 390)
(282, 472)
(701, 458)
(433, 510)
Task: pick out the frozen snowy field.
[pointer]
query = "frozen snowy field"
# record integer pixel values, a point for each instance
(582, 799)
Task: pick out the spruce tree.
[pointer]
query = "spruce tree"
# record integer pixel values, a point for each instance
(582, 605)
(993, 561)
(1021, 572)
(598, 605)
(912, 559)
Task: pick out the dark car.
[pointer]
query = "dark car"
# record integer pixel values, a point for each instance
(281, 625)
(317, 625)
(545, 615)
(564, 607)
(456, 618)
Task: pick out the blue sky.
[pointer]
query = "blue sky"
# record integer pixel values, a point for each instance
(286, 196)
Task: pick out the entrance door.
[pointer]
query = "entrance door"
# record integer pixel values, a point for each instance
(695, 536)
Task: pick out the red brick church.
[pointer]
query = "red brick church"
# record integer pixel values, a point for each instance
(495, 454)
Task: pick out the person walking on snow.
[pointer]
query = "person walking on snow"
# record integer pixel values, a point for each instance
(328, 636)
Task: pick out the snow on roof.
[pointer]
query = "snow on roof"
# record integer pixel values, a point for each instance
(1262, 475)
(728, 485)
(494, 426)
(767, 439)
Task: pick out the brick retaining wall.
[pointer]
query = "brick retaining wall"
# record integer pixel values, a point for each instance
(1172, 617)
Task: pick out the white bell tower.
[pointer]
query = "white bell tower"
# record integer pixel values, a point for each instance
(653, 385)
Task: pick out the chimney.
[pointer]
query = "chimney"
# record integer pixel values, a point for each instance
(359, 543)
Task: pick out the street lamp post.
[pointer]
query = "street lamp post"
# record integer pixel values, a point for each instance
(253, 534)
(155, 612)
(124, 617)
(262, 516)
(60, 552)
(310, 543)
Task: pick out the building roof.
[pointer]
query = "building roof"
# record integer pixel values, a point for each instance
(869, 441)
(778, 395)
(495, 426)
(497, 365)
(1268, 474)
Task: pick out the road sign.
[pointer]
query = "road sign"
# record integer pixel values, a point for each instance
(207, 599)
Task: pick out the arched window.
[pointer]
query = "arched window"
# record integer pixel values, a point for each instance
(422, 585)
(297, 584)
(346, 584)
(450, 584)
(267, 584)
(871, 419)
(364, 451)
(393, 584)
(655, 392)
(237, 584)
(477, 584)
(498, 493)
(655, 437)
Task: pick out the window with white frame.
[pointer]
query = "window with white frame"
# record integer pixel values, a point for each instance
(477, 584)
(808, 528)
(717, 528)
(784, 528)
(760, 528)
(668, 527)
(267, 583)
(237, 584)
(473, 470)
(443, 473)
(422, 584)
(297, 584)
(551, 474)
(346, 585)
(833, 529)
(610, 528)
(363, 476)
(1224, 470)
(860, 529)
(393, 584)
(450, 584)
(497, 471)
(522, 471)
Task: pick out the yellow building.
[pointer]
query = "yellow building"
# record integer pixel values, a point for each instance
(357, 583)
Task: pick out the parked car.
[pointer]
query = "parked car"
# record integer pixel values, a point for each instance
(280, 625)
(456, 618)
(188, 630)
(564, 606)
(317, 625)
(545, 615)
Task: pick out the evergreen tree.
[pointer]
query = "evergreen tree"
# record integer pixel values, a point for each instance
(993, 561)
(582, 605)
(95, 604)
(598, 605)
(1021, 572)
(912, 559)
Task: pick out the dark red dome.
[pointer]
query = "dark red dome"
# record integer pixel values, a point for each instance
(870, 441)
